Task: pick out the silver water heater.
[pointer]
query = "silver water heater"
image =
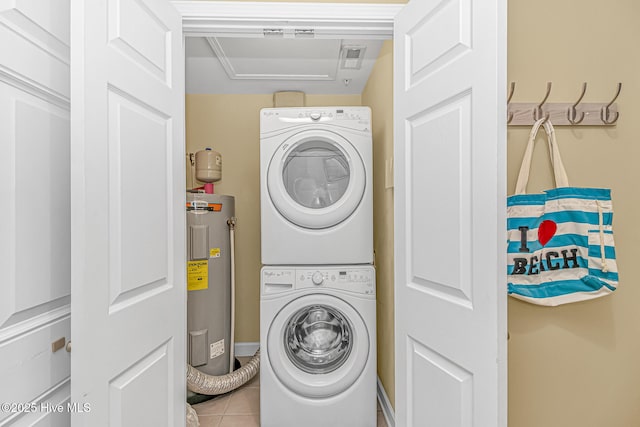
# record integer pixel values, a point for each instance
(209, 282)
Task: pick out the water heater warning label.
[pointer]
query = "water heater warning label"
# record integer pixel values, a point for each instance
(214, 253)
(197, 275)
(216, 349)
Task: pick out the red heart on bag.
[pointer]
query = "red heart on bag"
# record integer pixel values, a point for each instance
(546, 231)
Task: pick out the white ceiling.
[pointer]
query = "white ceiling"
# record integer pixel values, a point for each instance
(237, 65)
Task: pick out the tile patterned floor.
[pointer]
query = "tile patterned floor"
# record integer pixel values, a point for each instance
(241, 408)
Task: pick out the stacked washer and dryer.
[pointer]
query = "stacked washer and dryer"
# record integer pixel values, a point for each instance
(317, 288)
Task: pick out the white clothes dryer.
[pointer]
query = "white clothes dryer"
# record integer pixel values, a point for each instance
(316, 186)
(318, 346)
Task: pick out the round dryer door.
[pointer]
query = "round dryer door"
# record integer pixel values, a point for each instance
(316, 179)
(318, 346)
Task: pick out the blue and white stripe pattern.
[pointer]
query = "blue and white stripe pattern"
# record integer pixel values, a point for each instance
(574, 258)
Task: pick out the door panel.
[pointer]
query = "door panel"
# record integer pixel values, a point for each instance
(37, 225)
(139, 236)
(149, 377)
(128, 278)
(455, 388)
(136, 31)
(450, 134)
(439, 38)
(35, 50)
(446, 157)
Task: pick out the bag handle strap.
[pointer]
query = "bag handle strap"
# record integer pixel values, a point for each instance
(559, 172)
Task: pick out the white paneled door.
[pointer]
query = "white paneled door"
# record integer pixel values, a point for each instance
(35, 247)
(450, 134)
(127, 203)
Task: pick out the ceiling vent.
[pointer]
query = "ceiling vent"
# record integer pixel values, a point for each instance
(351, 57)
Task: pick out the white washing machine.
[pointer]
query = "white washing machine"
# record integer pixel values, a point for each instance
(318, 346)
(316, 185)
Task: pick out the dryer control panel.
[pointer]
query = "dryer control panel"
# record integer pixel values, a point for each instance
(357, 118)
(359, 280)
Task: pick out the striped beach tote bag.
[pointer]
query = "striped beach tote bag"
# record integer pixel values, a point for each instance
(560, 246)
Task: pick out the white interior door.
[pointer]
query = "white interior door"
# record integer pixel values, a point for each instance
(35, 217)
(450, 71)
(127, 202)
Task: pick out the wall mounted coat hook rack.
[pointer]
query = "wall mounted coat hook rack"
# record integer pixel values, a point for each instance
(576, 113)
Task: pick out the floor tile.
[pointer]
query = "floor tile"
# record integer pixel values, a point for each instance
(241, 408)
(240, 421)
(244, 401)
(253, 382)
(209, 420)
(215, 406)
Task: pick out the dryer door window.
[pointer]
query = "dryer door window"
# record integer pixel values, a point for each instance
(317, 339)
(316, 179)
(316, 174)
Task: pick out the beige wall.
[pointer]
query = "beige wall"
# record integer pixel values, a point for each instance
(578, 365)
(230, 124)
(378, 94)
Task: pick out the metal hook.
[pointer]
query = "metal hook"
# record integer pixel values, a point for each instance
(537, 111)
(571, 111)
(605, 112)
(512, 89)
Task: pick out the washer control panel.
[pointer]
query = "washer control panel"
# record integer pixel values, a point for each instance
(345, 278)
(353, 279)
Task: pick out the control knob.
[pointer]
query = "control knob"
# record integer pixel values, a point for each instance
(317, 278)
(315, 116)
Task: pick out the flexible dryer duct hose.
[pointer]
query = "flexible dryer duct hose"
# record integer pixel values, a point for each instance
(202, 383)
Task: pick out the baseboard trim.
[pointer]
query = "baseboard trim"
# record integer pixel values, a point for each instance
(385, 404)
(243, 349)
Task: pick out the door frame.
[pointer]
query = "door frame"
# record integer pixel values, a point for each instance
(331, 20)
(249, 19)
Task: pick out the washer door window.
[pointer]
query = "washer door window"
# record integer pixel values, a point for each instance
(316, 179)
(317, 339)
(318, 345)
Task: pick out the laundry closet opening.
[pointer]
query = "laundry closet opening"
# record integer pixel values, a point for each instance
(229, 80)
